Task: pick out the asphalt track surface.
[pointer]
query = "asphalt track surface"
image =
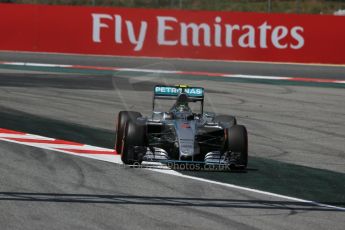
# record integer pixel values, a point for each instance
(296, 146)
(290, 70)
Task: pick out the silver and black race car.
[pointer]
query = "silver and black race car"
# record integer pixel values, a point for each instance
(180, 134)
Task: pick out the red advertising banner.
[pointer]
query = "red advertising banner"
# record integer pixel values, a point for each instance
(173, 33)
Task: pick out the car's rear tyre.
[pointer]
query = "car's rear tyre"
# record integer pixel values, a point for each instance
(122, 119)
(133, 142)
(238, 143)
(226, 119)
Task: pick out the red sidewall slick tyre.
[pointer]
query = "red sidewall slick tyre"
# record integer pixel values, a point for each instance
(122, 119)
(134, 135)
(238, 142)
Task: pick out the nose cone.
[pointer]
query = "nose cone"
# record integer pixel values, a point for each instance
(185, 131)
(186, 157)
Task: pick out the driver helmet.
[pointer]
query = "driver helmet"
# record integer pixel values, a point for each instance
(183, 107)
(181, 104)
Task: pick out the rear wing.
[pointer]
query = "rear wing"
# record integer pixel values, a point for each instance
(171, 93)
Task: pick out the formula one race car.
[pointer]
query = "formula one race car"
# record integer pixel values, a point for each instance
(180, 134)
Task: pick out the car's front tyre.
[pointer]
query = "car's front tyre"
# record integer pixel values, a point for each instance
(237, 138)
(121, 121)
(133, 142)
